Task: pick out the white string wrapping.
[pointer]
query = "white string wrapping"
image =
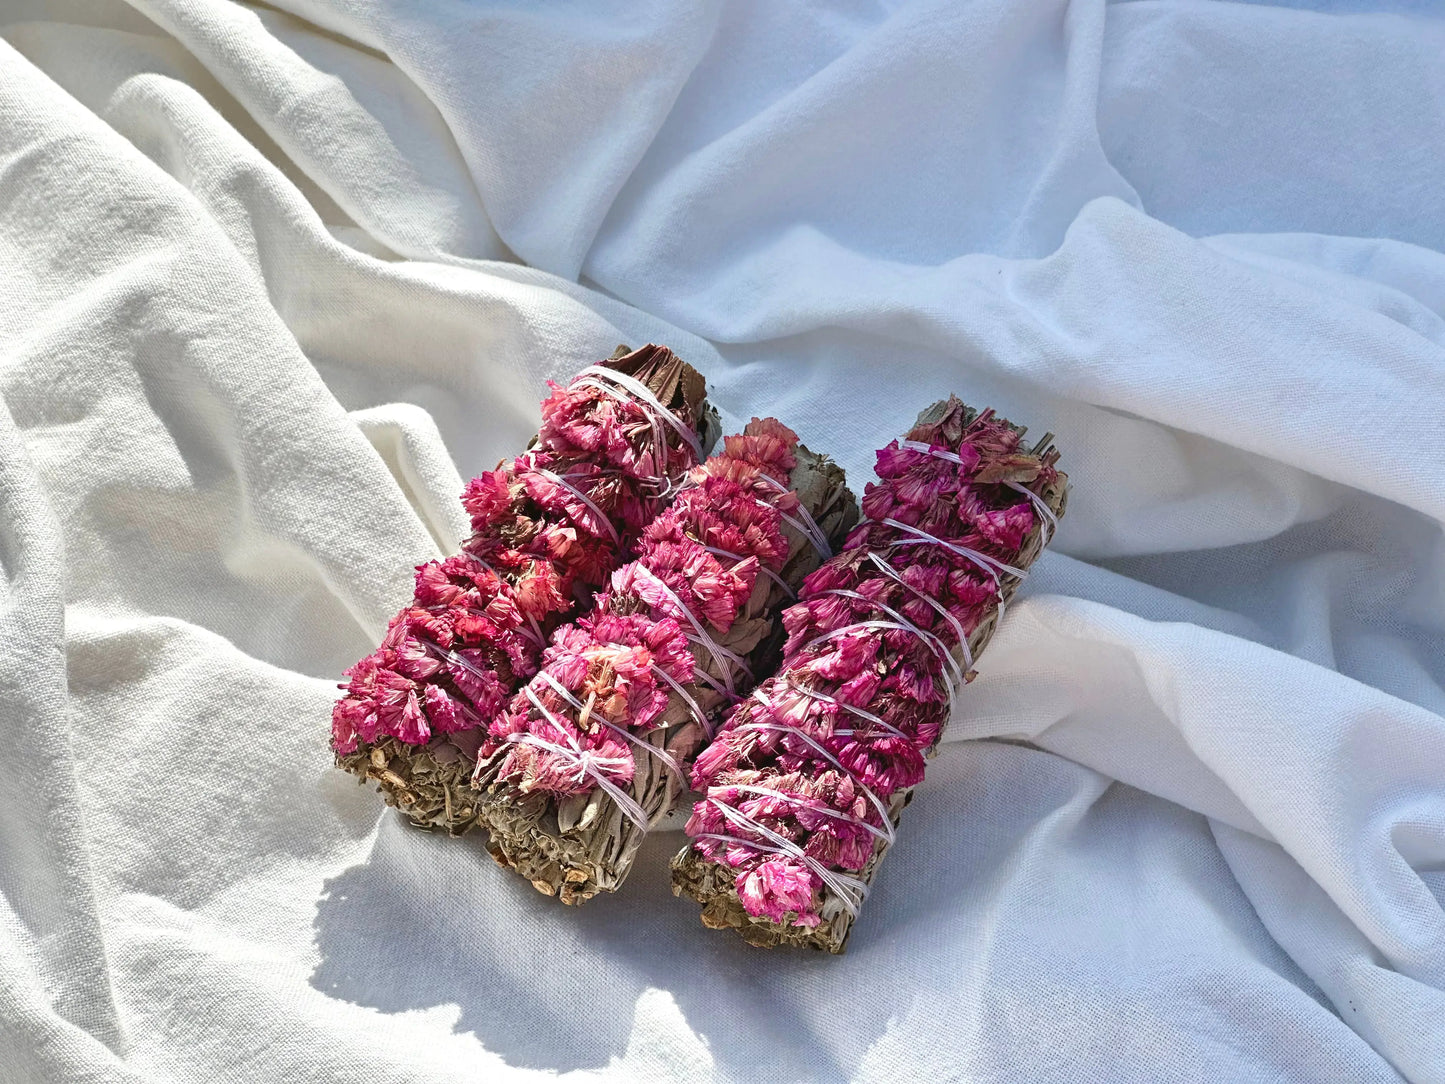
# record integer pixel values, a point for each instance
(850, 891)
(681, 690)
(484, 563)
(1040, 505)
(729, 690)
(595, 375)
(589, 764)
(837, 814)
(892, 573)
(658, 439)
(807, 526)
(713, 683)
(622, 732)
(840, 883)
(764, 569)
(876, 720)
(720, 654)
(534, 633)
(992, 565)
(901, 627)
(930, 640)
(449, 656)
(557, 479)
(937, 453)
(879, 805)
(536, 630)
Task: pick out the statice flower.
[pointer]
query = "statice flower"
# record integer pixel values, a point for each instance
(548, 528)
(622, 668)
(778, 887)
(800, 784)
(445, 664)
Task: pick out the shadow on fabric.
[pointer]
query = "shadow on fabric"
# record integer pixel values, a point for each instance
(1000, 943)
(429, 921)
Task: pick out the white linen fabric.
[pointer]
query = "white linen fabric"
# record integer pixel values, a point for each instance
(278, 277)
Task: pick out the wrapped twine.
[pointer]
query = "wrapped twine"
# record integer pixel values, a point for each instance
(547, 529)
(595, 748)
(804, 784)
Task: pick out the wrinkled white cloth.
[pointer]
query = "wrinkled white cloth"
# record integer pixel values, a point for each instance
(276, 278)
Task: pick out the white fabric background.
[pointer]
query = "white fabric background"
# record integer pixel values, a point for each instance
(276, 278)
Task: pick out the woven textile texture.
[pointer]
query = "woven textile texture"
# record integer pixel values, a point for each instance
(277, 278)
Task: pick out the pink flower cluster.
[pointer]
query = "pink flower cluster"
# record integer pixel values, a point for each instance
(447, 663)
(554, 522)
(797, 783)
(616, 671)
(547, 529)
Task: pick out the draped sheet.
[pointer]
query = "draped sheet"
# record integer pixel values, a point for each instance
(277, 278)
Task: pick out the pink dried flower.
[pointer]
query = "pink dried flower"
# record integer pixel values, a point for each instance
(547, 528)
(445, 663)
(700, 561)
(776, 887)
(816, 752)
